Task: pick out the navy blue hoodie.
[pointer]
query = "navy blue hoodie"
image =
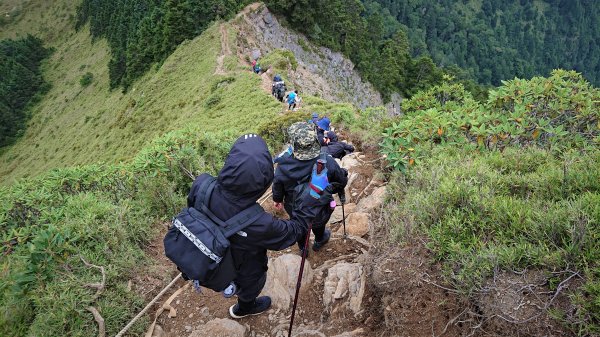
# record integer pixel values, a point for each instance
(292, 172)
(246, 175)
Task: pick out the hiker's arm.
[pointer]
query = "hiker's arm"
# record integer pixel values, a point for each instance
(339, 175)
(348, 147)
(285, 233)
(278, 191)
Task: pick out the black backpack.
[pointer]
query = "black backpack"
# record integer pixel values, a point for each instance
(198, 241)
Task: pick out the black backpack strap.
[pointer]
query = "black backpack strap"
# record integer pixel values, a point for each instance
(205, 190)
(243, 219)
(237, 222)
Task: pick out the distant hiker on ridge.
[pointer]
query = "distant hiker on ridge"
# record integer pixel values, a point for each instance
(278, 88)
(291, 99)
(322, 125)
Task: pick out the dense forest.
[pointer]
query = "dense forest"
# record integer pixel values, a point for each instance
(20, 82)
(498, 40)
(369, 35)
(144, 32)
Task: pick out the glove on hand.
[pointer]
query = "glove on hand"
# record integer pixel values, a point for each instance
(342, 196)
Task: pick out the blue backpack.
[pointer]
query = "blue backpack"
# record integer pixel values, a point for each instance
(198, 241)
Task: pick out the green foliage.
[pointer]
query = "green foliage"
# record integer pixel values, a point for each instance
(522, 208)
(279, 60)
(495, 40)
(380, 53)
(559, 111)
(275, 131)
(20, 82)
(104, 213)
(142, 33)
(86, 79)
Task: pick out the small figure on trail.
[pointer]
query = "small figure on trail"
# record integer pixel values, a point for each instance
(295, 167)
(253, 64)
(298, 101)
(314, 118)
(256, 67)
(291, 99)
(244, 178)
(278, 89)
(336, 148)
(323, 125)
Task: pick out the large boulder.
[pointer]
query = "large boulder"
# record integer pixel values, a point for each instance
(357, 224)
(220, 327)
(349, 161)
(282, 278)
(345, 284)
(373, 201)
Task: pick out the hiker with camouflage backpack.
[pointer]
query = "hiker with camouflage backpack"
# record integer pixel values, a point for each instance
(294, 167)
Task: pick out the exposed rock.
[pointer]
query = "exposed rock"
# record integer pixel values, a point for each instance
(336, 216)
(282, 278)
(373, 201)
(356, 224)
(159, 332)
(345, 281)
(356, 333)
(220, 327)
(320, 72)
(348, 162)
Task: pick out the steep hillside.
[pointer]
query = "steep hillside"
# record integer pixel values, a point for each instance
(76, 124)
(498, 40)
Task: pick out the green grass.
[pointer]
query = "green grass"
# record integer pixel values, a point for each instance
(76, 125)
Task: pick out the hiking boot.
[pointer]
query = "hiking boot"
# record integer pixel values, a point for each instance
(260, 305)
(319, 244)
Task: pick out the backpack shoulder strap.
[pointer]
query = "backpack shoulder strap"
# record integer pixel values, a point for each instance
(242, 219)
(234, 224)
(204, 193)
(205, 190)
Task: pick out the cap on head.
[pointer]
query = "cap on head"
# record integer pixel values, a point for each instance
(304, 141)
(323, 123)
(315, 115)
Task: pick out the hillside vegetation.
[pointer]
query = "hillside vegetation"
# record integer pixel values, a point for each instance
(21, 81)
(509, 185)
(498, 40)
(77, 124)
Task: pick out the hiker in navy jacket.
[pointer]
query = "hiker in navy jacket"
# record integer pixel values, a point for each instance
(294, 167)
(336, 148)
(244, 178)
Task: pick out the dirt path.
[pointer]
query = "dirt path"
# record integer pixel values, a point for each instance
(225, 50)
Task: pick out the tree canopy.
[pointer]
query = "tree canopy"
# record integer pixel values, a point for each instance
(20, 82)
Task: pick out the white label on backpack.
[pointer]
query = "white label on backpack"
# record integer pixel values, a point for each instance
(196, 241)
(242, 233)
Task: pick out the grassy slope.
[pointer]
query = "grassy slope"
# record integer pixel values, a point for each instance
(75, 125)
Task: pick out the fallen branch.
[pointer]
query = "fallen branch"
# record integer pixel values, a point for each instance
(99, 320)
(98, 286)
(141, 313)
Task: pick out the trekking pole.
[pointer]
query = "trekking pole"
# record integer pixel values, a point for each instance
(344, 219)
(299, 283)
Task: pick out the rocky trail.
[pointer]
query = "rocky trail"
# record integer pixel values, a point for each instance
(334, 287)
(359, 285)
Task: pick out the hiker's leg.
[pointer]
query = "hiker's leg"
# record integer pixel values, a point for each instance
(318, 232)
(288, 208)
(252, 276)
